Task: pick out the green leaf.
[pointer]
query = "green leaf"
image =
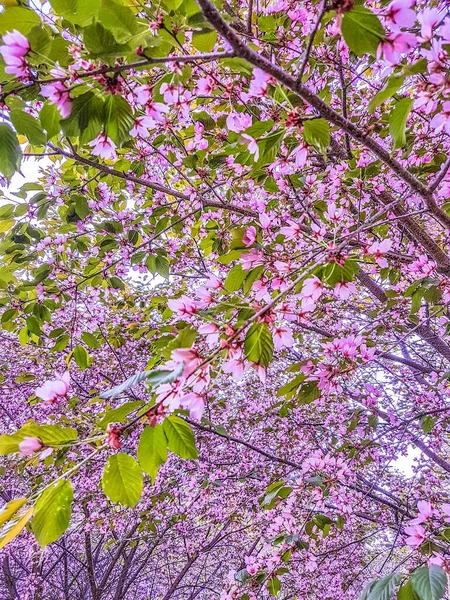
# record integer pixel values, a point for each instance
(397, 122)
(205, 40)
(101, 43)
(13, 518)
(90, 340)
(10, 152)
(258, 344)
(39, 43)
(81, 206)
(406, 592)
(51, 435)
(122, 479)
(180, 438)
(50, 117)
(9, 443)
(429, 583)
(235, 278)
(152, 378)
(118, 119)
(119, 19)
(52, 513)
(152, 449)
(80, 12)
(162, 266)
(317, 133)
(383, 589)
(22, 19)
(81, 357)
(274, 586)
(86, 117)
(393, 84)
(268, 148)
(362, 30)
(118, 415)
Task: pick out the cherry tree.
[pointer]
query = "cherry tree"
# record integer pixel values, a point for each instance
(225, 299)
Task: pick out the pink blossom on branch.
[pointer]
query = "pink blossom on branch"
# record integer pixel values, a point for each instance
(53, 389)
(59, 95)
(103, 146)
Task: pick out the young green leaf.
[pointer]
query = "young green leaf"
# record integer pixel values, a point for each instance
(317, 133)
(180, 438)
(397, 122)
(52, 512)
(10, 152)
(122, 479)
(258, 344)
(362, 30)
(152, 449)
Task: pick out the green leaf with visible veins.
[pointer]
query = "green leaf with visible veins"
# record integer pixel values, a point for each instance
(258, 344)
(152, 449)
(122, 479)
(10, 152)
(362, 30)
(52, 512)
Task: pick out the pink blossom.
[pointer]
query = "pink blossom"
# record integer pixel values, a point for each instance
(156, 111)
(58, 94)
(379, 249)
(234, 367)
(252, 146)
(30, 445)
(171, 93)
(15, 44)
(428, 19)
(238, 122)
(54, 388)
(142, 125)
(103, 146)
(396, 44)
(283, 338)
(113, 438)
(183, 306)
(249, 236)
(291, 230)
(444, 30)
(15, 48)
(194, 403)
(259, 83)
(265, 221)
(212, 333)
(442, 120)
(312, 287)
(300, 154)
(400, 13)
(416, 535)
(425, 511)
(343, 290)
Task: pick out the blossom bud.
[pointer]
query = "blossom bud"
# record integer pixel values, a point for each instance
(30, 445)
